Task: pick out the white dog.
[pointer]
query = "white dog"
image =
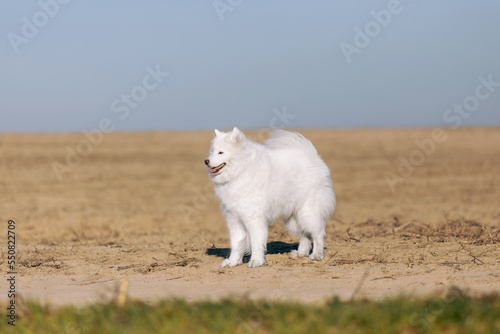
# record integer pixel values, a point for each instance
(258, 183)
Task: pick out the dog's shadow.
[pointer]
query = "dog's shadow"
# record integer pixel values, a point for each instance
(274, 247)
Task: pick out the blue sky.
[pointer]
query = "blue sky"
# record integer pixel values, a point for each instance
(245, 61)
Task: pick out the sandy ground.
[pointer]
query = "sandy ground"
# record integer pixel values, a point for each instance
(141, 207)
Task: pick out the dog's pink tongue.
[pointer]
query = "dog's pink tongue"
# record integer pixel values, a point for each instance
(212, 170)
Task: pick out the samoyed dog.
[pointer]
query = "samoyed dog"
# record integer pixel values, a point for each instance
(258, 183)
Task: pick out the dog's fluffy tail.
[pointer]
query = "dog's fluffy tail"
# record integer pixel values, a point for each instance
(282, 139)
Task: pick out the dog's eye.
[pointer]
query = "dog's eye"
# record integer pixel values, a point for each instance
(221, 152)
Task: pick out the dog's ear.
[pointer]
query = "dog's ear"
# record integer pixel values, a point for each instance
(236, 135)
(217, 133)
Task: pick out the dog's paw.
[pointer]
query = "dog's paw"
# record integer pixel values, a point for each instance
(225, 263)
(256, 263)
(229, 263)
(316, 257)
(295, 254)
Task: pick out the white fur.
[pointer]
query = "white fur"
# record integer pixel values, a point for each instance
(284, 177)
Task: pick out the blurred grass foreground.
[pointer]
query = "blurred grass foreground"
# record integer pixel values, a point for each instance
(453, 312)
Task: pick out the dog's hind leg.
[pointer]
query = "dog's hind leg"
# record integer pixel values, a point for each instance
(305, 238)
(319, 245)
(304, 247)
(313, 225)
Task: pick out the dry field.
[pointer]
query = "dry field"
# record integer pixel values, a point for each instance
(141, 207)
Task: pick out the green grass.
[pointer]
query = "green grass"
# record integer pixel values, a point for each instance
(454, 313)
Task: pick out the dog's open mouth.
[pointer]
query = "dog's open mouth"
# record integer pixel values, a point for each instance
(218, 168)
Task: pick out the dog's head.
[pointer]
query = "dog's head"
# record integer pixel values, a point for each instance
(224, 149)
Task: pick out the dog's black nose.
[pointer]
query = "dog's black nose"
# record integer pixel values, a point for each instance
(207, 162)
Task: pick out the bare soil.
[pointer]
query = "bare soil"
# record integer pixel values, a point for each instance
(140, 207)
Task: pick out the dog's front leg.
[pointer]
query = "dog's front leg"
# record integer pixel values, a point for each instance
(258, 240)
(239, 241)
